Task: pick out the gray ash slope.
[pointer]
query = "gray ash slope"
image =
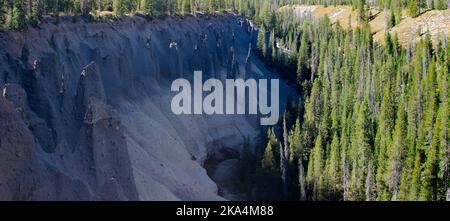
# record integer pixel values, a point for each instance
(85, 109)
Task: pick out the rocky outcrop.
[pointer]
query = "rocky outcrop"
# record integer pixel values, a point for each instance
(409, 29)
(16, 152)
(22, 175)
(102, 140)
(89, 86)
(18, 97)
(105, 138)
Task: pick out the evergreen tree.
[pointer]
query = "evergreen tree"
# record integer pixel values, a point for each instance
(362, 12)
(332, 171)
(186, 6)
(315, 168)
(119, 7)
(413, 7)
(302, 62)
(261, 42)
(269, 162)
(384, 137)
(3, 10)
(16, 15)
(392, 19)
(361, 149)
(295, 144)
(266, 15)
(441, 5)
(36, 12)
(396, 153)
(428, 185)
(414, 186)
(441, 127)
(370, 183)
(312, 115)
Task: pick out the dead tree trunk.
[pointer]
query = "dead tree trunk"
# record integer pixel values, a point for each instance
(84, 8)
(284, 161)
(301, 180)
(30, 7)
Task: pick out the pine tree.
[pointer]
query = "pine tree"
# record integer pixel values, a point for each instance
(441, 126)
(361, 149)
(362, 13)
(186, 6)
(384, 138)
(413, 7)
(407, 180)
(36, 12)
(265, 15)
(3, 10)
(261, 42)
(414, 132)
(119, 7)
(428, 185)
(325, 119)
(335, 102)
(427, 137)
(345, 168)
(392, 19)
(302, 60)
(296, 154)
(441, 5)
(370, 183)
(398, 15)
(212, 6)
(332, 171)
(312, 115)
(269, 162)
(416, 176)
(396, 153)
(315, 168)
(295, 144)
(16, 18)
(389, 43)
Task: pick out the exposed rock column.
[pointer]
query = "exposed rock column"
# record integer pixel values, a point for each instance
(103, 141)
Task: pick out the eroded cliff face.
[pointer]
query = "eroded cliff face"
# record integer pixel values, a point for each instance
(85, 109)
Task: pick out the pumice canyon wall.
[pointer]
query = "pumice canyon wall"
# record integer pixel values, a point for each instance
(85, 109)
